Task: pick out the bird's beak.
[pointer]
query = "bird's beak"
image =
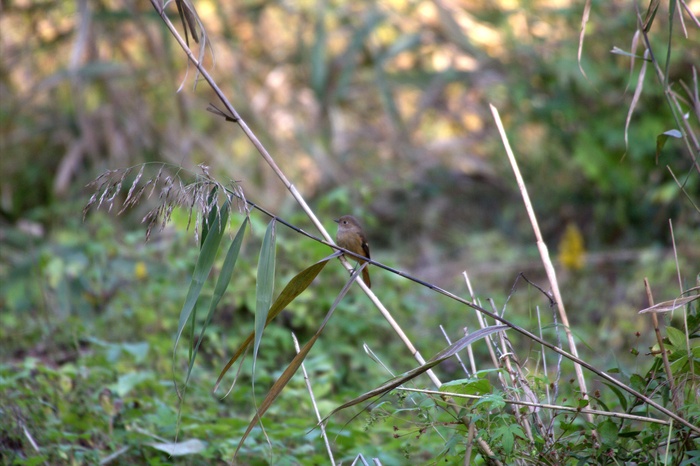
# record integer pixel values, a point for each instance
(337, 220)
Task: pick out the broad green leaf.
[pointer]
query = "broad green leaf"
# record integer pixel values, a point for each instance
(637, 382)
(608, 432)
(456, 439)
(138, 350)
(286, 376)
(221, 285)
(677, 338)
(680, 364)
(127, 382)
(620, 396)
(265, 285)
(505, 438)
(293, 289)
(494, 401)
(467, 386)
(207, 254)
(412, 374)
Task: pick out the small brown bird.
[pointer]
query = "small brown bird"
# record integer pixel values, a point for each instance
(351, 237)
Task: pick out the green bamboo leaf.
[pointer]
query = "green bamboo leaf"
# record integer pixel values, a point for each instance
(265, 285)
(277, 388)
(286, 376)
(293, 289)
(620, 396)
(209, 221)
(220, 288)
(207, 254)
(188, 19)
(412, 374)
(650, 14)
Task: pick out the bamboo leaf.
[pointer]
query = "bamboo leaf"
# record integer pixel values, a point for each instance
(651, 14)
(293, 289)
(207, 254)
(668, 306)
(286, 376)
(187, 17)
(265, 285)
(211, 218)
(220, 288)
(277, 388)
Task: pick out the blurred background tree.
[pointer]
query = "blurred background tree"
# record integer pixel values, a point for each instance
(381, 107)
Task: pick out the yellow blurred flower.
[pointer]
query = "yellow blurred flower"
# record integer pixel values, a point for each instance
(140, 270)
(572, 252)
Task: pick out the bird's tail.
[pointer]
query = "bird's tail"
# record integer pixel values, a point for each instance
(365, 277)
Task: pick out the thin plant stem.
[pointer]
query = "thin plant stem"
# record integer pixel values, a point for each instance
(544, 254)
(321, 424)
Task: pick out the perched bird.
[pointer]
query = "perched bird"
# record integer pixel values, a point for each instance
(351, 237)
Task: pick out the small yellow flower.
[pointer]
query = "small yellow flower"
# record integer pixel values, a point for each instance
(572, 252)
(140, 270)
